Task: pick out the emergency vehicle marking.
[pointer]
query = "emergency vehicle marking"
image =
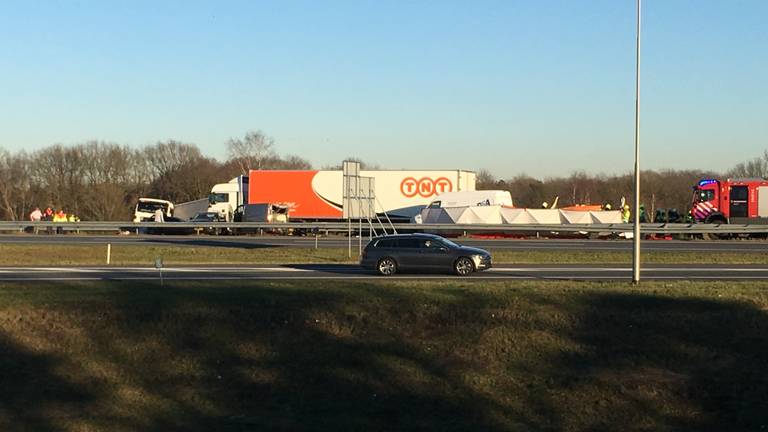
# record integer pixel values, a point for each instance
(425, 186)
(703, 209)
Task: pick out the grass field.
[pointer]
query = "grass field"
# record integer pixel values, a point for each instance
(458, 355)
(226, 253)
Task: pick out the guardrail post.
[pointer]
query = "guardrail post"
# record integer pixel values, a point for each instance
(109, 253)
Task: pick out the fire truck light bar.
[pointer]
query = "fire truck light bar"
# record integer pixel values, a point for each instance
(706, 182)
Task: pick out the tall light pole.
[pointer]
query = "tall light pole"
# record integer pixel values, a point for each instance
(636, 231)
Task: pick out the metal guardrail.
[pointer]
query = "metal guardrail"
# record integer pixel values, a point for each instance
(648, 228)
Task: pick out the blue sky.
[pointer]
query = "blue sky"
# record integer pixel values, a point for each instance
(536, 87)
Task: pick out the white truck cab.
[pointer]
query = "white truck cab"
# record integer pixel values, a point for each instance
(226, 197)
(146, 208)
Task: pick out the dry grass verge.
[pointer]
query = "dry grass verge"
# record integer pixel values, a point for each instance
(456, 355)
(227, 253)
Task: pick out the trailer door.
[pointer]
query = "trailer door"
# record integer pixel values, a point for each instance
(739, 199)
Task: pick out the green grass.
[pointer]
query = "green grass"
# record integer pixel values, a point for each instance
(391, 355)
(27, 254)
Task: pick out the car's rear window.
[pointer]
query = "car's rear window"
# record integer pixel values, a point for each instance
(406, 243)
(385, 243)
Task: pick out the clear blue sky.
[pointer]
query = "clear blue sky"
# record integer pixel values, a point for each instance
(536, 87)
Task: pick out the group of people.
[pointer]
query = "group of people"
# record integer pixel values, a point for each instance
(626, 215)
(50, 215)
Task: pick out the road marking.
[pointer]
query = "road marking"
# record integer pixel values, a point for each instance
(40, 279)
(626, 269)
(556, 269)
(378, 278)
(165, 269)
(355, 269)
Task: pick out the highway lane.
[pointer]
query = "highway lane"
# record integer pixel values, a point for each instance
(327, 242)
(353, 272)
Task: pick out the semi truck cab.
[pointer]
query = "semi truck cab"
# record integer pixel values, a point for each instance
(226, 197)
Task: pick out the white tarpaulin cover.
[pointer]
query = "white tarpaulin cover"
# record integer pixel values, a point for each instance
(575, 217)
(496, 215)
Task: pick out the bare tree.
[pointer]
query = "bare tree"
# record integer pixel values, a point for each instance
(188, 182)
(290, 162)
(755, 168)
(15, 185)
(58, 172)
(109, 176)
(169, 156)
(485, 180)
(250, 152)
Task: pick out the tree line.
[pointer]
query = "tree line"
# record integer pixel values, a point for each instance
(665, 189)
(659, 189)
(101, 180)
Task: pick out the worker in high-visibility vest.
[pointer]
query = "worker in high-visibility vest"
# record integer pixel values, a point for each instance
(625, 213)
(59, 216)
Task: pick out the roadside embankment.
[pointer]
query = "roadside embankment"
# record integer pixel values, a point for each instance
(391, 355)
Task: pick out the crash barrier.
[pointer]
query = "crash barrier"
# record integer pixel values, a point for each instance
(322, 227)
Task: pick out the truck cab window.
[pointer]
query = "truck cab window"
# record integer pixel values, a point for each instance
(149, 207)
(217, 198)
(703, 195)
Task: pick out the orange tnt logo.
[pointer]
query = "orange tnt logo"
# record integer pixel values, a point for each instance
(425, 186)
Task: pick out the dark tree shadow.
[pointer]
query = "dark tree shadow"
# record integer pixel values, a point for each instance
(342, 383)
(33, 395)
(281, 356)
(683, 364)
(236, 244)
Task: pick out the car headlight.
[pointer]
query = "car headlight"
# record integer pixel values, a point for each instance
(478, 259)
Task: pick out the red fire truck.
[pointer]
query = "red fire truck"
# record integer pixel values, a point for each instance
(738, 201)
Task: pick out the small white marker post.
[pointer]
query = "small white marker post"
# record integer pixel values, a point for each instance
(159, 267)
(109, 253)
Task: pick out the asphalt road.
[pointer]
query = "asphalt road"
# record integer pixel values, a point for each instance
(309, 242)
(353, 272)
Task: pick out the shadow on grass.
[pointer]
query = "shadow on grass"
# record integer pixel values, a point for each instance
(658, 362)
(357, 356)
(280, 359)
(208, 242)
(32, 395)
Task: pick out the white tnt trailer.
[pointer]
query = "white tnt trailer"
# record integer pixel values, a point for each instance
(318, 195)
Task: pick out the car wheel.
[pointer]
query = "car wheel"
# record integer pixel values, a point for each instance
(386, 267)
(463, 266)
